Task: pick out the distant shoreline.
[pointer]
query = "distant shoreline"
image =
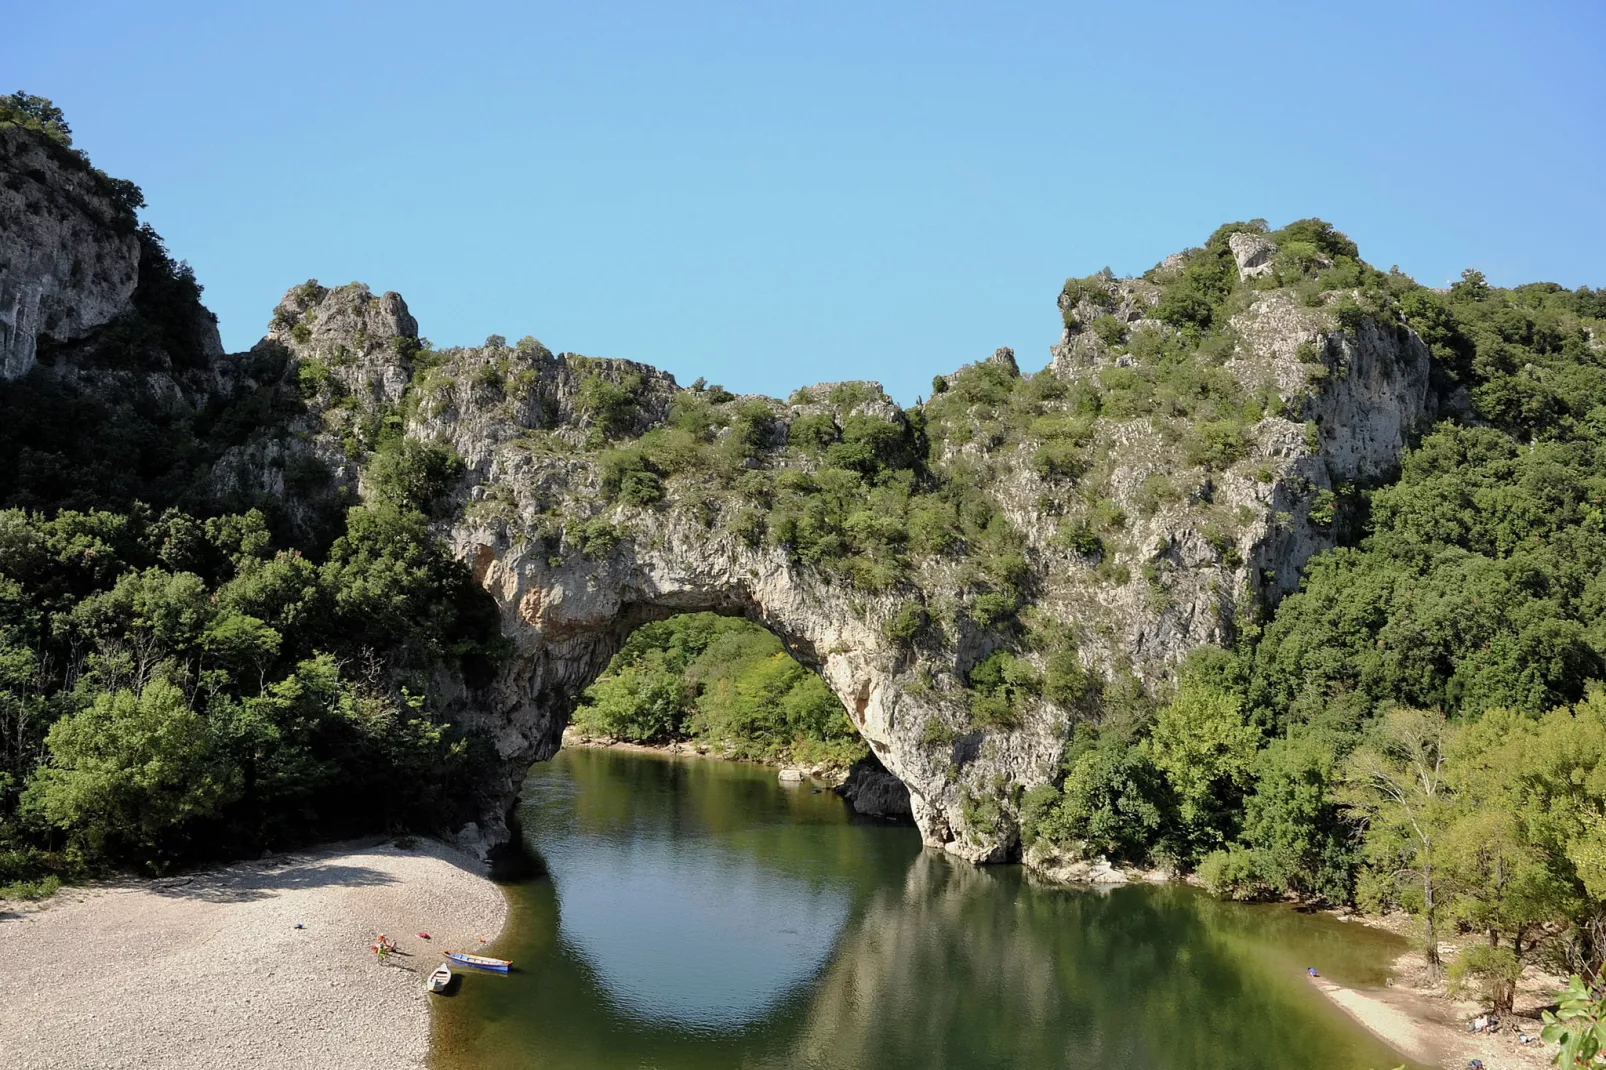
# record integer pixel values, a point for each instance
(1426, 1026)
(209, 969)
(575, 737)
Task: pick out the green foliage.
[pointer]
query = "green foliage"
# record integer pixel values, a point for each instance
(411, 475)
(815, 432)
(630, 476)
(597, 537)
(1487, 974)
(906, 623)
(1114, 802)
(205, 717)
(1299, 836)
(639, 701)
(1090, 290)
(38, 114)
(129, 772)
(1002, 688)
(1079, 537)
(721, 681)
(28, 891)
(1205, 748)
(1215, 444)
(609, 407)
(1231, 873)
(1578, 1027)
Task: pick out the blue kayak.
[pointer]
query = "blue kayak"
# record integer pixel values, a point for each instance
(479, 962)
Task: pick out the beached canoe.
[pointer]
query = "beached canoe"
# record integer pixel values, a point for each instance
(439, 979)
(479, 962)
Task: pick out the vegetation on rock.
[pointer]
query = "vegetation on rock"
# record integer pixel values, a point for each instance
(229, 616)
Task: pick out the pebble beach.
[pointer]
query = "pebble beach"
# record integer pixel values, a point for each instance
(209, 969)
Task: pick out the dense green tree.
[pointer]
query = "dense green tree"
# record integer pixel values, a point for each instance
(1299, 839)
(130, 774)
(1205, 748)
(1398, 785)
(1114, 802)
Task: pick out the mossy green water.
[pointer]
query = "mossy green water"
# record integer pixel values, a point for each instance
(697, 914)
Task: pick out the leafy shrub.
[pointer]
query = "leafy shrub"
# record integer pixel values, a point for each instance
(609, 407)
(1111, 331)
(1078, 537)
(906, 623)
(1230, 873)
(1001, 687)
(722, 681)
(413, 475)
(813, 432)
(1215, 444)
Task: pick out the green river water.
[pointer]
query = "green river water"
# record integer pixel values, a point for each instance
(697, 914)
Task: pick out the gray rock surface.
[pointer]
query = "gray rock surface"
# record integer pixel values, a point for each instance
(1253, 252)
(69, 257)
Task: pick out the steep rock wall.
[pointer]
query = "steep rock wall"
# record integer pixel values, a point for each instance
(69, 256)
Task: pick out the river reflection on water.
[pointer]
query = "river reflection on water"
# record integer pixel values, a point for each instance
(697, 914)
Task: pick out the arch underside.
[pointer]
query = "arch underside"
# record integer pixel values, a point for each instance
(568, 617)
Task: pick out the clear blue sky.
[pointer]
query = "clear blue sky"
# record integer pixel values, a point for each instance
(776, 193)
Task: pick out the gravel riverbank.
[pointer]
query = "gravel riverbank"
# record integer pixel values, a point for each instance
(208, 970)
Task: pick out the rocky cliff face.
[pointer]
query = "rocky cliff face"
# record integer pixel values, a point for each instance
(969, 577)
(69, 256)
(575, 566)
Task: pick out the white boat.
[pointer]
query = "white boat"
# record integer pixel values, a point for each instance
(439, 979)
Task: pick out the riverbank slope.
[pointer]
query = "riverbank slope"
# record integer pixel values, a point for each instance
(1419, 1018)
(209, 969)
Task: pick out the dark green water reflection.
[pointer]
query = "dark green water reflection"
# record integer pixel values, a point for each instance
(698, 915)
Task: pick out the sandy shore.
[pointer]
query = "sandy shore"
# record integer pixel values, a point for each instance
(1428, 1028)
(209, 970)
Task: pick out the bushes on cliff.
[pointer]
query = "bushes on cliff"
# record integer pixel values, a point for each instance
(1476, 591)
(414, 476)
(38, 114)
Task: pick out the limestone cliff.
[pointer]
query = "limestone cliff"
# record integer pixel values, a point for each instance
(69, 255)
(970, 576)
(574, 565)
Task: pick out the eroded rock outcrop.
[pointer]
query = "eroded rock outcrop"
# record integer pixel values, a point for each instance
(874, 792)
(69, 253)
(577, 554)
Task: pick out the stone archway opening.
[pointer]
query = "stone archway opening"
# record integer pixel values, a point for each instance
(570, 621)
(715, 683)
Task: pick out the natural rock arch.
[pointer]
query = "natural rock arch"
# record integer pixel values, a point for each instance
(586, 507)
(568, 621)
